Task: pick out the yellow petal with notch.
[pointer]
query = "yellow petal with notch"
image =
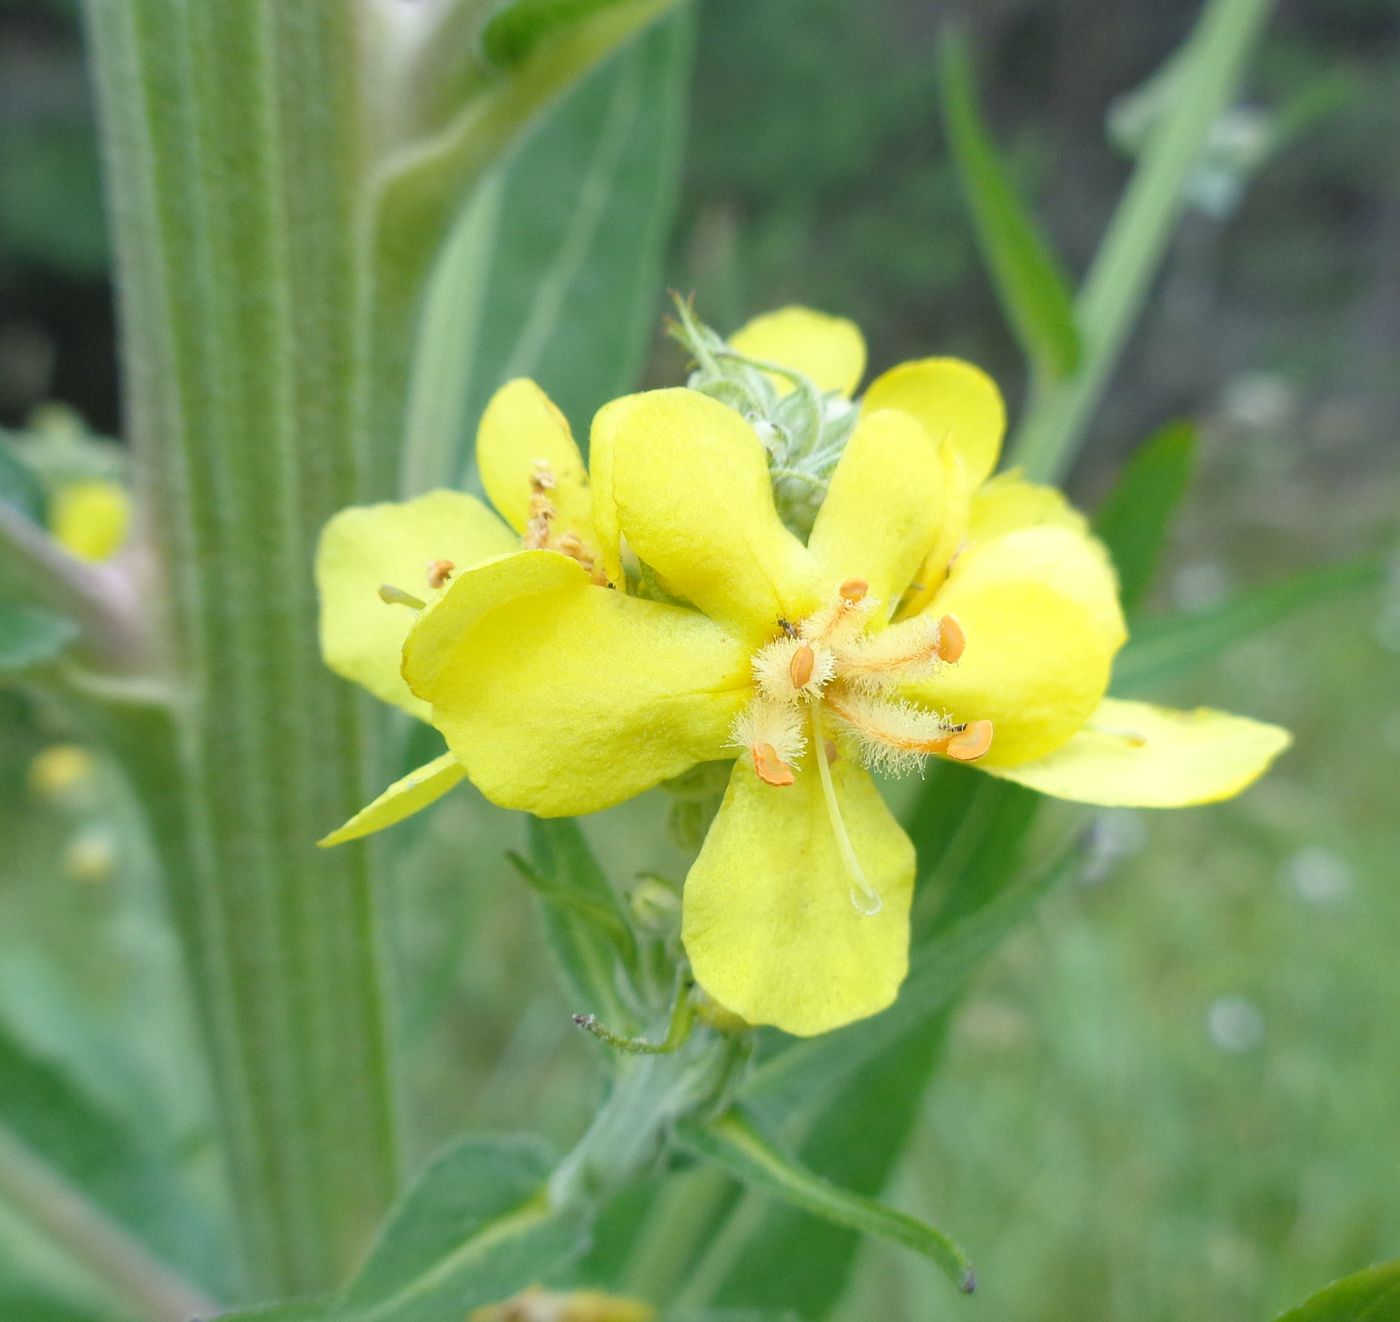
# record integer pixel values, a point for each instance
(1136, 755)
(830, 350)
(684, 480)
(414, 792)
(884, 509)
(1040, 614)
(366, 546)
(951, 399)
(521, 429)
(565, 697)
(767, 917)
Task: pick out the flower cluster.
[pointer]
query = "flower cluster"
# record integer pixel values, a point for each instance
(610, 628)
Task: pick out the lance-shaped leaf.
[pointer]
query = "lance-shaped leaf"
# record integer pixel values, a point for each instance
(94, 1187)
(1162, 648)
(475, 1228)
(19, 486)
(1135, 517)
(30, 636)
(1029, 280)
(1369, 1296)
(734, 1144)
(520, 29)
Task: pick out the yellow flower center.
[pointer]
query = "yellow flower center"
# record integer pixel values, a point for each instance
(833, 678)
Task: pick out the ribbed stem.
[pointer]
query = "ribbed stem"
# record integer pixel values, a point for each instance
(232, 137)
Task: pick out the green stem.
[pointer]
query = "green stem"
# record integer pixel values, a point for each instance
(121, 1263)
(1139, 234)
(232, 140)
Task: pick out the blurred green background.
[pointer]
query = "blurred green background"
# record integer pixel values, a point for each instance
(1173, 1094)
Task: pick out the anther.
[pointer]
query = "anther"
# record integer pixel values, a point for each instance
(771, 769)
(853, 591)
(800, 667)
(951, 639)
(542, 478)
(393, 596)
(970, 742)
(439, 571)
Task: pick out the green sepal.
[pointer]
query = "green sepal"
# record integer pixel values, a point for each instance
(517, 30)
(733, 1143)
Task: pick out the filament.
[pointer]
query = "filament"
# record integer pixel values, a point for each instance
(864, 896)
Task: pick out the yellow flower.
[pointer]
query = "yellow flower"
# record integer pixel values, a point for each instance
(90, 518)
(374, 560)
(929, 612)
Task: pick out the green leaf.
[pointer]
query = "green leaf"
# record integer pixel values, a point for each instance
(1029, 280)
(583, 921)
(30, 636)
(301, 1311)
(1368, 1296)
(574, 289)
(1162, 648)
(734, 1144)
(1120, 277)
(520, 28)
(475, 1228)
(48, 1125)
(1134, 519)
(20, 487)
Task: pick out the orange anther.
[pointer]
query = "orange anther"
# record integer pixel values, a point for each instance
(800, 667)
(439, 571)
(771, 769)
(951, 639)
(853, 590)
(969, 743)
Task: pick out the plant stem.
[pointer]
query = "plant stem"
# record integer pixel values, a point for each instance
(232, 140)
(119, 1261)
(1111, 298)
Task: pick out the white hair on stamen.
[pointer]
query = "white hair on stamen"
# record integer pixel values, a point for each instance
(773, 723)
(773, 670)
(894, 737)
(903, 652)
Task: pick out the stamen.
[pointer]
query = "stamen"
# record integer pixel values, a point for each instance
(800, 667)
(788, 670)
(895, 737)
(393, 596)
(970, 742)
(853, 590)
(951, 639)
(771, 769)
(864, 896)
(542, 476)
(439, 571)
(902, 652)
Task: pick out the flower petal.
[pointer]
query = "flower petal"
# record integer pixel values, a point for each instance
(521, 429)
(1136, 755)
(415, 791)
(884, 509)
(767, 917)
(830, 350)
(685, 480)
(1008, 503)
(564, 697)
(950, 398)
(1040, 614)
(369, 545)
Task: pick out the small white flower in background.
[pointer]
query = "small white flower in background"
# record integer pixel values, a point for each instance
(1318, 876)
(1235, 1024)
